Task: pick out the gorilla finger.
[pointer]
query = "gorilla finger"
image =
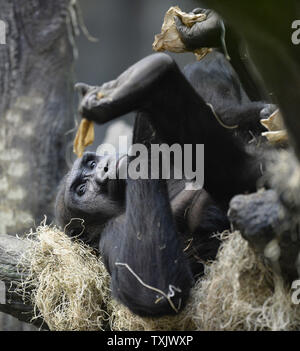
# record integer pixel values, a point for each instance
(82, 88)
(178, 22)
(181, 28)
(90, 100)
(98, 110)
(198, 10)
(268, 110)
(207, 12)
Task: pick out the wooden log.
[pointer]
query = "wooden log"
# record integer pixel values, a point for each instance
(36, 114)
(11, 251)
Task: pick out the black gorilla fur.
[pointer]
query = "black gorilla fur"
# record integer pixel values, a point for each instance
(162, 232)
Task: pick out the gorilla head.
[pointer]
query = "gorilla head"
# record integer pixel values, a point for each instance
(89, 196)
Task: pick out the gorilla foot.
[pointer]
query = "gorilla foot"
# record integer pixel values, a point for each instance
(126, 93)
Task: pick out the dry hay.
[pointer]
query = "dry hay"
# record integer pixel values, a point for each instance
(240, 293)
(169, 38)
(71, 291)
(69, 284)
(277, 134)
(123, 320)
(84, 137)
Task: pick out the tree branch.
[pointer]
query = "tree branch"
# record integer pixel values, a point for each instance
(11, 250)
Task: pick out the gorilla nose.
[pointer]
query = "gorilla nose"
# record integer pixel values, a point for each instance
(102, 175)
(106, 169)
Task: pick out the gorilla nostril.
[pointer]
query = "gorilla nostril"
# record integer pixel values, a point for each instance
(106, 169)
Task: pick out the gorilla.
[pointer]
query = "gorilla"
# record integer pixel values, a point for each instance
(154, 235)
(215, 33)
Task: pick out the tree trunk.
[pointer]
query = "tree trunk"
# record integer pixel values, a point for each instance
(11, 302)
(36, 110)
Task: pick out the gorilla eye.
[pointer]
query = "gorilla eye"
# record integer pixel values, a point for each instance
(80, 190)
(92, 164)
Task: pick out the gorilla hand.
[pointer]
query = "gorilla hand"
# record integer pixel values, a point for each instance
(268, 110)
(206, 34)
(126, 93)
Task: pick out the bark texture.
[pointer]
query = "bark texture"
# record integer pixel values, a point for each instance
(36, 110)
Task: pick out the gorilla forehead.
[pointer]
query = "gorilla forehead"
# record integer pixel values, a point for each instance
(78, 165)
(77, 170)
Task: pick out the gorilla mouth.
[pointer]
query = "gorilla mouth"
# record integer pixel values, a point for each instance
(115, 188)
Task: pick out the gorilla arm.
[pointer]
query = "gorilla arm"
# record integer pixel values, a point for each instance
(144, 254)
(156, 87)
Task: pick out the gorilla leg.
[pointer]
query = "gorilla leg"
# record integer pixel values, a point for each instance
(227, 98)
(156, 87)
(271, 50)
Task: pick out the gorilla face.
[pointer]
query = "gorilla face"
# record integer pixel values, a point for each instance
(89, 192)
(89, 184)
